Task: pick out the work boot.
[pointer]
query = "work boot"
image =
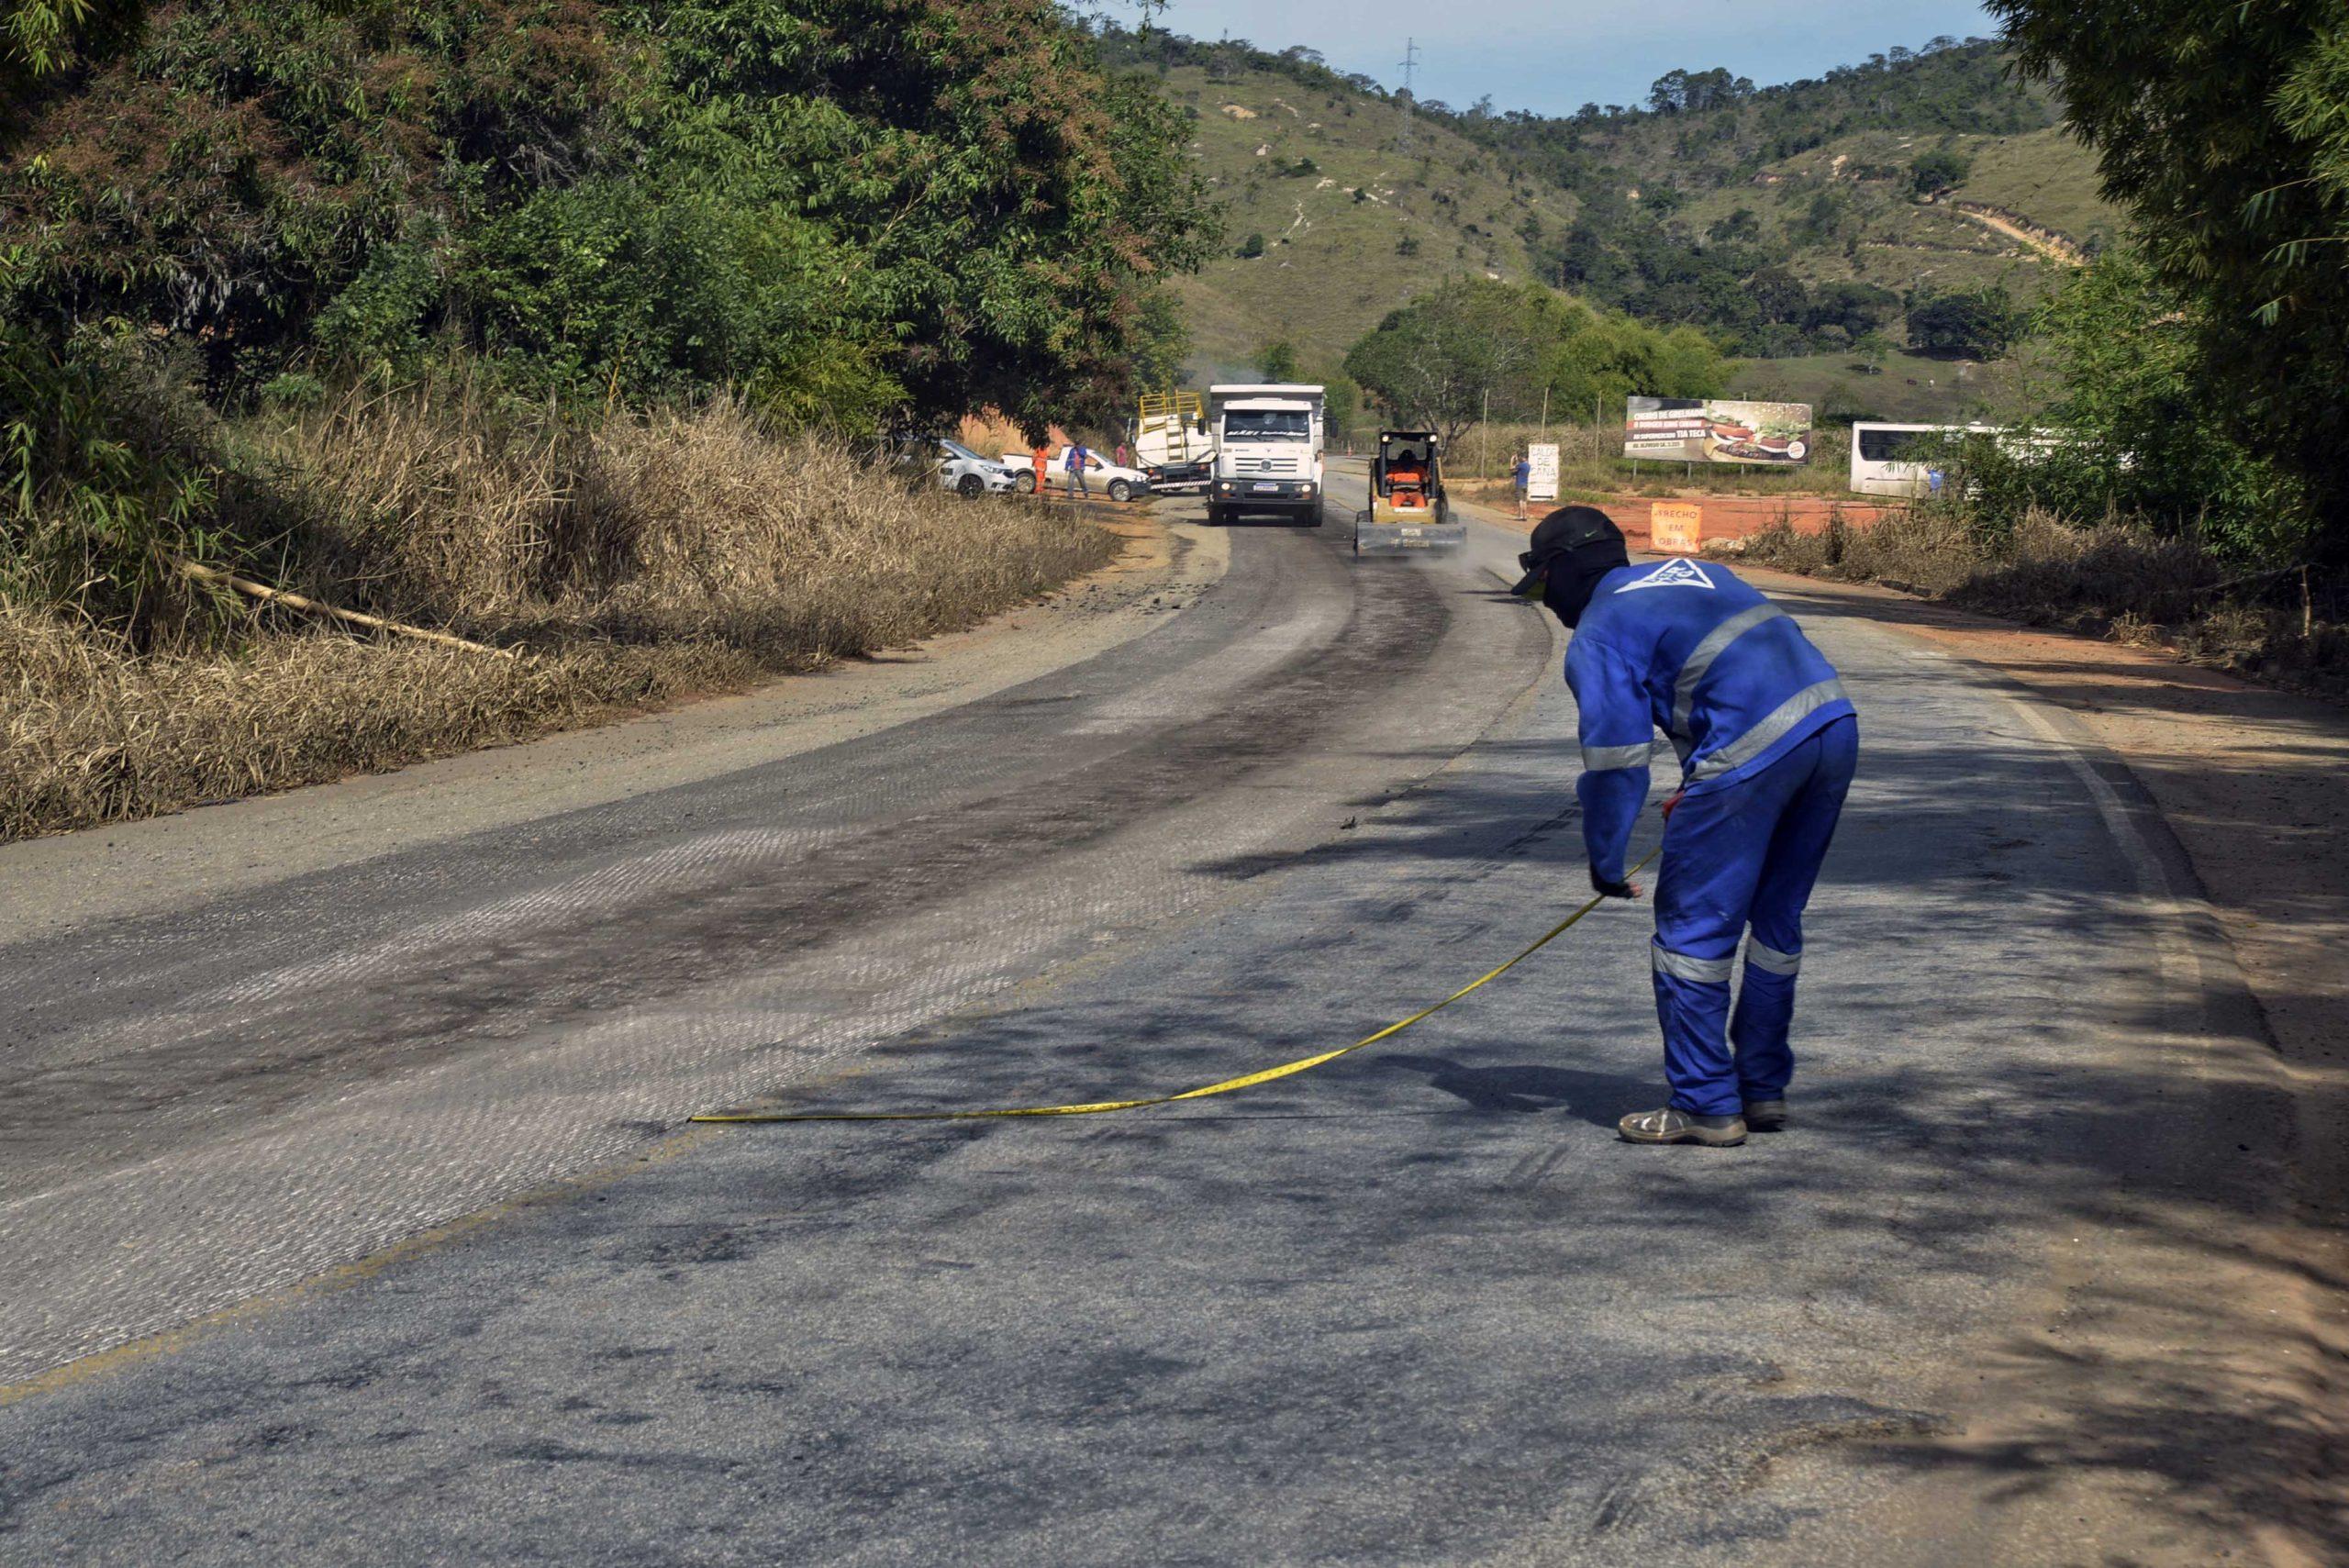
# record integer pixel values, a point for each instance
(1672, 1125)
(1766, 1116)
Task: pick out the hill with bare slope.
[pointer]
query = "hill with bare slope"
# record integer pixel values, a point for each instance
(1798, 223)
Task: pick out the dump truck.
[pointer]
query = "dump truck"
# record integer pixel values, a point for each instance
(1267, 451)
(1409, 509)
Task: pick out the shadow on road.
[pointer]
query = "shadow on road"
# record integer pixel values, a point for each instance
(1598, 1099)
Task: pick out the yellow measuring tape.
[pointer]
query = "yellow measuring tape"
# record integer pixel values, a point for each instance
(1249, 1081)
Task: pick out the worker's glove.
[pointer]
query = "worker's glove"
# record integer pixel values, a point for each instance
(1607, 889)
(1668, 805)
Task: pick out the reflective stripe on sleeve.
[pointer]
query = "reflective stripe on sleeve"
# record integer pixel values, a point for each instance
(1764, 735)
(1600, 759)
(1761, 955)
(1680, 966)
(1700, 659)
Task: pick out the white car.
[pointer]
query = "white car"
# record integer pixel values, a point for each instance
(1101, 476)
(959, 468)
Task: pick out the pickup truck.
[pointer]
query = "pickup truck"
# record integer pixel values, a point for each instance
(1101, 475)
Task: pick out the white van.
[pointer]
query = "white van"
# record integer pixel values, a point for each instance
(1268, 449)
(1911, 460)
(1902, 460)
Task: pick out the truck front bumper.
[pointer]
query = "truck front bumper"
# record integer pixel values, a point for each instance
(1265, 492)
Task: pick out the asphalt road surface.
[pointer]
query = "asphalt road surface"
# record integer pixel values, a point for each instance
(1418, 1307)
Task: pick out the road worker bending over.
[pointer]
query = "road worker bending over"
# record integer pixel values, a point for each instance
(1767, 742)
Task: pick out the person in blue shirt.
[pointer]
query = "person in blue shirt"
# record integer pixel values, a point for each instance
(1767, 742)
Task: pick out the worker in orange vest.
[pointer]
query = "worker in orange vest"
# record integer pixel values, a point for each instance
(1043, 459)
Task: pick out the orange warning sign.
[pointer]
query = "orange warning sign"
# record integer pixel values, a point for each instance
(1674, 527)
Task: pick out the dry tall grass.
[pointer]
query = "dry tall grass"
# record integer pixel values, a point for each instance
(425, 501)
(2112, 579)
(700, 527)
(652, 557)
(93, 733)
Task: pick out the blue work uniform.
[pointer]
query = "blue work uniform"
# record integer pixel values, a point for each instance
(1767, 744)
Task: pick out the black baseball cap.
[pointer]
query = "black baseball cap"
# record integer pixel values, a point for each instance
(1570, 533)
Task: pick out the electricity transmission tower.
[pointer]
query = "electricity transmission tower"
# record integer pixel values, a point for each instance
(1410, 62)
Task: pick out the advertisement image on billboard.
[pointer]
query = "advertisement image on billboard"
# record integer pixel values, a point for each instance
(1703, 430)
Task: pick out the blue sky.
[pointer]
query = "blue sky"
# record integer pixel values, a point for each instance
(1555, 55)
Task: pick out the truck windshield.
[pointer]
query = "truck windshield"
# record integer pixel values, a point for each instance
(1267, 425)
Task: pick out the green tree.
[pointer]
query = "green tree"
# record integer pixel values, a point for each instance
(1433, 362)
(2139, 432)
(1938, 171)
(1252, 247)
(1979, 324)
(915, 207)
(1162, 339)
(1276, 360)
(1593, 356)
(1436, 361)
(2224, 130)
(1015, 199)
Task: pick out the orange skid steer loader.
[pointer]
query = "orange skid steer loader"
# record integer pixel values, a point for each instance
(1407, 508)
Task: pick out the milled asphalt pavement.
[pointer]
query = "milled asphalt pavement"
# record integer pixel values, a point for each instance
(1416, 1307)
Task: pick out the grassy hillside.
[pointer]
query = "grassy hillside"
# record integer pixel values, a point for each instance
(1787, 219)
(2045, 175)
(1352, 225)
(1904, 386)
(1885, 235)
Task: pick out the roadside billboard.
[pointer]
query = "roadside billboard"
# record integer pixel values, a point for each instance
(1703, 430)
(1541, 485)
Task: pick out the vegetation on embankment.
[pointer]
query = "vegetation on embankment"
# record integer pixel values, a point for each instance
(857, 213)
(609, 566)
(2134, 506)
(552, 326)
(2126, 581)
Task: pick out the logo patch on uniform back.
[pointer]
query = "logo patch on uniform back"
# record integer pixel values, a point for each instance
(1671, 574)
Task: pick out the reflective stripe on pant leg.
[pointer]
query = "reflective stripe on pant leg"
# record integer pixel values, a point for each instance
(1761, 955)
(1688, 966)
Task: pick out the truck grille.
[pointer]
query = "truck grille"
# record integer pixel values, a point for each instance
(1253, 466)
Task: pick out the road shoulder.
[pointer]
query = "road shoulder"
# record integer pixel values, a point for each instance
(2229, 1334)
(2222, 1338)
